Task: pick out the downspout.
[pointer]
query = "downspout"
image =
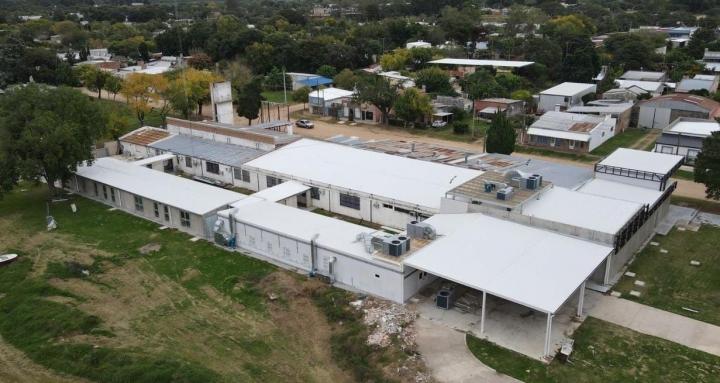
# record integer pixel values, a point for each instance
(313, 255)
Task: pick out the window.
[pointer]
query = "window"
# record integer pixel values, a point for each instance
(272, 181)
(350, 201)
(188, 162)
(83, 185)
(112, 194)
(571, 144)
(184, 218)
(105, 192)
(246, 176)
(166, 213)
(156, 209)
(212, 167)
(667, 149)
(139, 203)
(388, 206)
(158, 152)
(241, 174)
(96, 189)
(315, 193)
(377, 275)
(401, 210)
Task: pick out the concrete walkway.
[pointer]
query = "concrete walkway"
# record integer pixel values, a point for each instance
(448, 358)
(651, 321)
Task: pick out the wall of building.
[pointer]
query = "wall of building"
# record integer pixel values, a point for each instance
(199, 168)
(654, 185)
(560, 145)
(660, 116)
(414, 281)
(220, 137)
(547, 102)
(137, 151)
(600, 134)
(690, 154)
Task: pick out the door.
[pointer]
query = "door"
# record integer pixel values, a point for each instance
(662, 118)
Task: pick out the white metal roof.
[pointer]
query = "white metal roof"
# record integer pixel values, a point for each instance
(621, 191)
(616, 108)
(649, 86)
(282, 191)
(154, 159)
(584, 137)
(569, 89)
(695, 128)
(329, 94)
(493, 63)
(303, 225)
(660, 163)
(584, 210)
(184, 194)
(533, 267)
(640, 75)
(405, 180)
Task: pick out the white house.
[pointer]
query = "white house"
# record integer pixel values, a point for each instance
(641, 75)
(685, 137)
(653, 87)
(573, 132)
(660, 111)
(329, 101)
(564, 95)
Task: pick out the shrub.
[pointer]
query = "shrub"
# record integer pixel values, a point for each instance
(461, 127)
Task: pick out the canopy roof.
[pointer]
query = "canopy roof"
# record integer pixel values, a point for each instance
(282, 191)
(535, 268)
(653, 162)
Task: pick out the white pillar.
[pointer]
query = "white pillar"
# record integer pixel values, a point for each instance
(608, 264)
(548, 330)
(482, 314)
(581, 299)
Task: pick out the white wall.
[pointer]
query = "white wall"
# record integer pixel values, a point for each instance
(547, 102)
(137, 151)
(199, 168)
(652, 117)
(601, 134)
(654, 185)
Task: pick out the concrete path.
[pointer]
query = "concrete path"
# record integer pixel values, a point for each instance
(651, 321)
(448, 358)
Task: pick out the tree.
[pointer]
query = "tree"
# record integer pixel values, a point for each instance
(249, 99)
(707, 166)
(190, 90)
(200, 61)
(346, 79)
(142, 90)
(396, 60)
(378, 91)
(301, 95)
(435, 80)
(94, 78)
(412, 105)
(699, 40)
(328, 71)
(45, 133)
(500, 136)
(482, 84)
(113, 84)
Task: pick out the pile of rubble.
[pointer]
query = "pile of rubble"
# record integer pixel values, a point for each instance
(388, 320)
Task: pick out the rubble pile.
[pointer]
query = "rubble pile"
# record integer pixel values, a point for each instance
(388, 320)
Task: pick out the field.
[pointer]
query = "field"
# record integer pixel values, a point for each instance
(278, 96)
(671, 283)
(626, 139)
(603, 353)
(110, 297)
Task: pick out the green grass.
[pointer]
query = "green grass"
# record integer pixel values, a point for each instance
(606, 353)
(684, 175)
(128, 117)
(552, 153)
(278, 96)
(623, 140)
(700, 204)
(671, 283)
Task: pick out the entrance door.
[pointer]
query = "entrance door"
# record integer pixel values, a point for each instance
(302, 200)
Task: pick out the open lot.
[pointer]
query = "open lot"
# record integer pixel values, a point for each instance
(110, 297)
(630, 138)
(671, 283)
(606, 353)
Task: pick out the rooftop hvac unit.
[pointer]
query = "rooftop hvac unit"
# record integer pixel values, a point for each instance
(489, 187)
(540, 179)
(421, 230)
(396, 246)
(445, 298)
(532, 182)
(505, 194)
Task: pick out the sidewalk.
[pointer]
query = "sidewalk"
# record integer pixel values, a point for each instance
(651, 321)
(448, 358)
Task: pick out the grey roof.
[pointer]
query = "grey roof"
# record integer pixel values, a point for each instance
(684, 141)
(643, 75)
(567, 121)
(226, 154)
(615, 108)
(689, 84)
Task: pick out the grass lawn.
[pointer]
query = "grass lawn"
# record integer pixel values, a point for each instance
(700, 204)
(552, 153)
(278, 96)
(671, 283)
(188, 312)
(623, 140)
(684, 175)
(606, 353)
(123, 111)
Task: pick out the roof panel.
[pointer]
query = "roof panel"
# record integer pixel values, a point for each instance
(569, 89)
(653, 162)
(226, 154)
(472, 62)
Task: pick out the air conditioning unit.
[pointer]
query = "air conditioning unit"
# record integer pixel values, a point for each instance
(540, 180)
(505, 194)
(445, 298)
(489, 187)
(396, 246)
(421, 230)
(531, 183)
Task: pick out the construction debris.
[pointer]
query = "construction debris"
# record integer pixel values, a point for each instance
(388, 321)
(640, 283)
(694, 263)
(663, 251)
(691, 310)
(655, 243)
(630, 274)
(634, 293)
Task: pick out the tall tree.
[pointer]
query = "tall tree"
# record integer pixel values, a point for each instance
(94, 78)
(249, 99)
(143, 91)
(500, 136)
(190, 90)
(435, 80)
(346, 79)
(45, 133)
(412, 105)
(482, 84)
(378, 91)
(707, 166)
(113, 85)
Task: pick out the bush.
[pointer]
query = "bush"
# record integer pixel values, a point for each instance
(460, 127)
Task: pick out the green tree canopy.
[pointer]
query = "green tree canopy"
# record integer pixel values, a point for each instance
(707, 166)
(378, 91)
(482, 84)
(94, 78)
(46, 133)
(500, 136)
(412, 105)
(249, 99)
(435, 80)
(346, 79)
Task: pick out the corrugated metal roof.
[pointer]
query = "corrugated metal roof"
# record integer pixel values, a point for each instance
(226, 154)
(569, 89)
(144, 136)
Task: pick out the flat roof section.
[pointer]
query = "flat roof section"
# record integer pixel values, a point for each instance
(569, 89)
(693, 127)
(158, 186)
(403, 180)
(209, 150)
(145, 136)
(282, 191)
(475, 190)
(652, 162)
(472, 62)
(606, 215)
(532, 267)
(621, 191)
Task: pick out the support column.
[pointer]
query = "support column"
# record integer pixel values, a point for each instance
(548, 330)
(482, 314)
(581, 300)
(608, 265)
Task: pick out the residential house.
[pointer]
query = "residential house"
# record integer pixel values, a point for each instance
(654, 88)
(699, 82)
(396, 78)
(640, 75)
(488, 107)
(460, 67)
(569, 132)
(564, 96)
(313, 81)
(621, 111)
(685, 137)
(624, 94)
(418, 44)
(660, 111)
(711, 59)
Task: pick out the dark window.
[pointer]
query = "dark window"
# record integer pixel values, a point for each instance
(246, 176)
(105, 192)
(156, 209)
(184, 218)
(314, 193)
(112, 194)
(350, 201)
(377, 275)
(166, 213)
(96, 189)
(241, 174)
(139, 203)
(188, 162)
(387, 206)
(212, 167)
(401, 210)
(272, 181)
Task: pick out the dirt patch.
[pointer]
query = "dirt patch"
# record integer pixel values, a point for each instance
(190, 274)
(16, 367)
(150, 248)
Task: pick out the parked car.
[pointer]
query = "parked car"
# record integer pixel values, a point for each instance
(438, 124)
(306, 124)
